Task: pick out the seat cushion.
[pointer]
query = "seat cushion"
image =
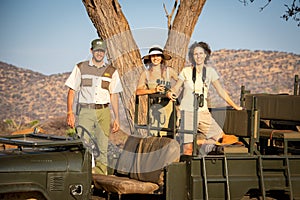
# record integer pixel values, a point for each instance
(279, 134)
(123, 185)
(152, 156)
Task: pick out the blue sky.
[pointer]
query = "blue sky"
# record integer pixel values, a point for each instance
(51, 36)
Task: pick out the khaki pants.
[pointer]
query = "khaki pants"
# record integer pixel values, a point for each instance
(207, 126)
(97, 122)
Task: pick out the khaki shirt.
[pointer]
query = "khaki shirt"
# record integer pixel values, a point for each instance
(92, 92)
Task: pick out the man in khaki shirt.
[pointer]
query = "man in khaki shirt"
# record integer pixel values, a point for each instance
(98, 85)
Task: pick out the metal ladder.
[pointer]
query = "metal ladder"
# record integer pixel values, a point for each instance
(285, 169)
(222, 180)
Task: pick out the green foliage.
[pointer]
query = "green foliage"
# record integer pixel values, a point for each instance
(9, 122)
(71, 132)
(13, 125)
(33, 123)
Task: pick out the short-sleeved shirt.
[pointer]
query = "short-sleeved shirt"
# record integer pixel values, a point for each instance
(149, 81)
(89, 86)
(187, 102)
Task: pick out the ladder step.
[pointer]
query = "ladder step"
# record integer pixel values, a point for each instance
(275, 169)
(287, 189)
(216, 180)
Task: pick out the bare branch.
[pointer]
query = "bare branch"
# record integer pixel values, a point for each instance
(171, 15)
(168, 16)
(262, 8)
(245, 2)
(174, 7)
(292, 11)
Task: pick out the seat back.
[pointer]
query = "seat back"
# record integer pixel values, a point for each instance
(233, 121)
(276, 106)
(144, 159)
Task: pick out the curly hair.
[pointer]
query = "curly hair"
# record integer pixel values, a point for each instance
(204, 46)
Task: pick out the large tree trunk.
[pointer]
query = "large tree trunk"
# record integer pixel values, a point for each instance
(123, 52)
(181, 31)
(113, 27)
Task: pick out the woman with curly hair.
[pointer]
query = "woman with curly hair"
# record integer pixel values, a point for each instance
(196, 80)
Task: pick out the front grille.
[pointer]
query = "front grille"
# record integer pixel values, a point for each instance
(56, 183)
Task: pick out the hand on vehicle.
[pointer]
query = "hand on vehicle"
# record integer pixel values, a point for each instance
(71, 120)
(160, 88)
(171, 95)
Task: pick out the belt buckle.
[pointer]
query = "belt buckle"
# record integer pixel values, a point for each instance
(100, 106)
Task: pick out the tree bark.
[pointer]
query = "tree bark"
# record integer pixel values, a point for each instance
(181, 31)
(123, 52)
(113, 27)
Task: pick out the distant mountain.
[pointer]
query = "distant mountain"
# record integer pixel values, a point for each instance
(27, 95)
(259, 71)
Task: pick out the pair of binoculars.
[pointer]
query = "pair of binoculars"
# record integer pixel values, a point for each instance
(200, 99)
(167, 84)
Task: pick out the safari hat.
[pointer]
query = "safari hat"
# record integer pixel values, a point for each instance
(98, 44)
(156, 50)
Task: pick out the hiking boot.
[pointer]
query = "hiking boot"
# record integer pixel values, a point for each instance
(206, 148)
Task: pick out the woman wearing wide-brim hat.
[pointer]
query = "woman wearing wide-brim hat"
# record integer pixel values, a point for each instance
(155, 50)
(157, 78)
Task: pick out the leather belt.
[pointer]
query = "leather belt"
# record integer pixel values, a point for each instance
(94, 106)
